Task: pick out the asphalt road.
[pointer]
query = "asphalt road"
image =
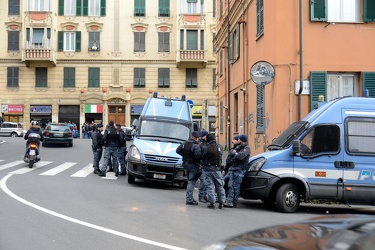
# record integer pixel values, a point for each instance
(61, 204)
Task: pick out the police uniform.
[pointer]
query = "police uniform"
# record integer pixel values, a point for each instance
(111, 141)
(212, 155)
(97, 147)
(202, 185)
(191, 158)
(237, 171)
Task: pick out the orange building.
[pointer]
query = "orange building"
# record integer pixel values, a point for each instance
(329, 45)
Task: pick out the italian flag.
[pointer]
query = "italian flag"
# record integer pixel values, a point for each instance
(94, 108)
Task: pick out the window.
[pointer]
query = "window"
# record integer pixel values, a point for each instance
(41, 77)
(38, 36)
(260, 109)
(163, 78)
(192, 6)
(360, 135)
(94, 77)
(221, 8)
(13, 7)
(139, 7)
(322, 139)
(260, 18)
(192, 40)
(235, 101)
(213, 79)
(213, 8)
(368, 82)
(94, 41)
(221, 63)
(342, 10)
(14, 40)
(69, 77)
(221, 121)
(139, 42)
(94, 7)
(139, 77)
(163, 41)
(12, 77)
(70, 7)
(202, 6)
(202, 40)
(38, 5)
(69, 41)
(191, 78)
(163, 8)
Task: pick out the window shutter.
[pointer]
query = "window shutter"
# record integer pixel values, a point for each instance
(85, 7)
(231, 36)
(78, 41)
(14, 7)
(28, 34)
(260, 18)
(161, 42)
(142, 41)
(318, 10)
(48, 33)
(318, 86)
(192, 1)
(213, 78)
(102, 8)
(192, 40)
(202, 40)
(79, 8)
(238, 41)
(60, 41)
(368, 10)
(166, 78)
(368, 82)
(260, 108)
(181, 39)
(61, 7)
(194, 78)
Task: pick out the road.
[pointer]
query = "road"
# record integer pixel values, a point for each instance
(61, 204)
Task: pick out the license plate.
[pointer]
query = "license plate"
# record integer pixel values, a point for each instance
(32, 152)
(59, 135)
(160, 176)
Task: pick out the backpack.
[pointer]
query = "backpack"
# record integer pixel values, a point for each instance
(112, 135)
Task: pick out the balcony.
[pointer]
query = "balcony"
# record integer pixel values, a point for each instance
(30, 55)
(191, 59)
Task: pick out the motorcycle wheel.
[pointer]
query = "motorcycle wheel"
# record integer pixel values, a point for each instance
(31, 163)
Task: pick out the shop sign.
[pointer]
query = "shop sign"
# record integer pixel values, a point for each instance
(94, 108)
(196, 110)
(40, 109)
(12, 108)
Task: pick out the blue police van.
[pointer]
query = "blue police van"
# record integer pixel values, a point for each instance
(163, 125)
(328, 156)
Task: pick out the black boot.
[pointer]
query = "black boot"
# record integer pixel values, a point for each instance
(211, 206)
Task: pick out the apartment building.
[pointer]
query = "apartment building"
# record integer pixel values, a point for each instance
(97, 60)
(327, 46)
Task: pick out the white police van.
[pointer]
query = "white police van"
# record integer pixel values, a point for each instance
(327, 156)
(163, 125)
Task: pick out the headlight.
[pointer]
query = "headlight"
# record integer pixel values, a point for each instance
(257, 164)
(134, 153)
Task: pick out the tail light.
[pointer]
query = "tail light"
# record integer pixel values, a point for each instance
(46, 133)
(33, 145)
(70, 134)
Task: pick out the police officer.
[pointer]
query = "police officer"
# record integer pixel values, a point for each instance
(121, 152)
(191, 157)
(202, 185)
(212, 157)
(97, 146)
(237, 171)
(228, 162)
(111, 140)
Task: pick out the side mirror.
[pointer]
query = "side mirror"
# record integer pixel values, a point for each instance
(296, 147)
(135, 123)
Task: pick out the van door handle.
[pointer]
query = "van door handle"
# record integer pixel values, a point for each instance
(344, 164)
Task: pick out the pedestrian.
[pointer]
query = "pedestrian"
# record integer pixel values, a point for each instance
(191, 158)
(97, 146)
(237, 171)
(111, 140)
(228, 162)
(121, 151)
(202, 185)
(212, 158)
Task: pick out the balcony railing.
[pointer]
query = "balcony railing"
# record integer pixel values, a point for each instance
(40, 54)
(192, 58)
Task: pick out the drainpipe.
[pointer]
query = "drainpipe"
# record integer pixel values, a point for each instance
(300, 60)
(229, 133)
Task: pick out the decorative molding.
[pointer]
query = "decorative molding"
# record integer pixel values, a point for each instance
(11, 26)
(160, 26)
(137, 26)
(69, 26)
(116, 100)
(94, 27)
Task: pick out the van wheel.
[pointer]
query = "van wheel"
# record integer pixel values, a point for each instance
(131, 179)
(287, 198)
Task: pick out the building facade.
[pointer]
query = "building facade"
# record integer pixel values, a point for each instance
(325, 45)
(97, 60)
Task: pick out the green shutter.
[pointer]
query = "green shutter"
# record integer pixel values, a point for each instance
(164, 8)
(260, 108)
(260, 18)
(78, 41)
(368, 10)
(368, 82)
(85, 7)
(79, 8)
(102, 8)
(181, 39)
(27, 34)
(60, 41)
(61, 7)
(192, 1)
(231, 49)
(238, 41)
(318, 10)
(318, 86)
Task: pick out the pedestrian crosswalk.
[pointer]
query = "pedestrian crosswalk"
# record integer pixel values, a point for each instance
(51, 169)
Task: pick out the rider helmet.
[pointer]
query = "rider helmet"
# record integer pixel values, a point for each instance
(34, 123)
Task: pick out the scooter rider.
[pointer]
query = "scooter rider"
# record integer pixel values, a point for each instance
(34, 128)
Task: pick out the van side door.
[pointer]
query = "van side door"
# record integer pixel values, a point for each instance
(320, 149)
(359, 159)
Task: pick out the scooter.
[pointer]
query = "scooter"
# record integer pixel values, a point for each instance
(32, 151)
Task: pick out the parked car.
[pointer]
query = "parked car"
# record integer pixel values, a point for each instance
(342, 231)
(12, 129)
(58, 133)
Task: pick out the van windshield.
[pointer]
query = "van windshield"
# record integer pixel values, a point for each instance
(164, 129)
(286, 138)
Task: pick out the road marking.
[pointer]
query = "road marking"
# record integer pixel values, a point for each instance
(84, 171)
(83, 223)
(110, 176)
(59, 169)
(26, 169)
(11, 164)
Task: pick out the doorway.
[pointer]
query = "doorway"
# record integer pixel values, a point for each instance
(117, 114)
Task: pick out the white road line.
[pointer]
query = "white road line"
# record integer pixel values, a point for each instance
(110, 176)
(83, 223)
(84, 171)
(11, 164)
(26, 169)
(59, 169)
